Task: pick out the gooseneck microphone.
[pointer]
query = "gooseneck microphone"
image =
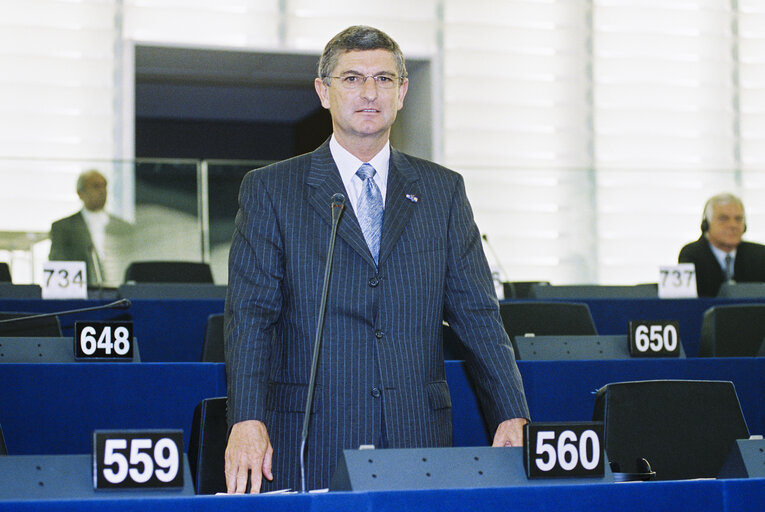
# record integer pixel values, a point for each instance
(16, 325)
(485, 238)
(117, 304)
(338, 204)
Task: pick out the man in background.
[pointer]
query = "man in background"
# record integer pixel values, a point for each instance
(91, 235)
(719, 254)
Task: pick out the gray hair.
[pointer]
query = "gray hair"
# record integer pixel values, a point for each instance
(714, 201)
(358, 38)
(83, 177)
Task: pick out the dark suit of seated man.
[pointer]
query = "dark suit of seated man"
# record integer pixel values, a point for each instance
(91, 235)
(719, 254)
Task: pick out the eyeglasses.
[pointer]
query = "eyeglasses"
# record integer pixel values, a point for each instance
(354, 81)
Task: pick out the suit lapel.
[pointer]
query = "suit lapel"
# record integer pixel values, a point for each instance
(400, 201)
(324, 181)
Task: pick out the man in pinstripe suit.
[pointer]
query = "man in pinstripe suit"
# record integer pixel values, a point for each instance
(381, 371)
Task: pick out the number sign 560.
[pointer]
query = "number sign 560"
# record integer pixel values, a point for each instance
(566, 453)
(561, 449)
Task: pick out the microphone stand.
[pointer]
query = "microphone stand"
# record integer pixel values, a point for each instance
(338, 203)
(117, 304)
(97, 269)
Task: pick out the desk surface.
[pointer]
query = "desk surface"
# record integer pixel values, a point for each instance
(696, 495)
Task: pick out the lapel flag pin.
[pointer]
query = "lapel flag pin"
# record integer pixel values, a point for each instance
(412, 198)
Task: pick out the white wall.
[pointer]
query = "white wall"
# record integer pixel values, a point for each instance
(590, 132)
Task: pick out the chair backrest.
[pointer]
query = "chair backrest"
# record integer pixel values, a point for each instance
(546, 318)
(207, 446)
(172, 291)
(538, 318)
(20, 291)
(683, 428)
(212, 347)
(520, 289)
(3, 449)
(5, 272)
(168, 272)
(732, 331)
(23, 328)
(594, 291)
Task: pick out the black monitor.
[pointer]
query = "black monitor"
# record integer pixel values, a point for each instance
(21, 326)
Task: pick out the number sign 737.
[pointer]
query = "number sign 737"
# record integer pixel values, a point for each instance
(677, 281)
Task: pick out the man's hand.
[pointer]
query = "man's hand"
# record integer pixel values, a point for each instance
(510, 433)
(249, 450)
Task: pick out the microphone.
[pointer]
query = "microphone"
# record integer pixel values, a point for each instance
(96, 261)
(338, 204)
(485, 238)
(117, 304)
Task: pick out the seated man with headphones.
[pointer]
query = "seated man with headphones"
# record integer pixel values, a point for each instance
(719, 254)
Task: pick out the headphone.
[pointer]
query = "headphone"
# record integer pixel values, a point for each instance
(705, 220)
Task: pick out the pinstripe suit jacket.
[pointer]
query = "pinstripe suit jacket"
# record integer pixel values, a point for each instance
(382, 350)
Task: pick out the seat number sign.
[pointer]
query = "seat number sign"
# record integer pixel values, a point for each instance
(103, 340)
(654, 338)
(677, 281)
(64, 280)
(563, 450)
(133, 459)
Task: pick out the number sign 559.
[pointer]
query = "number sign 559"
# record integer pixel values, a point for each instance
(563, 449)
(137, 459)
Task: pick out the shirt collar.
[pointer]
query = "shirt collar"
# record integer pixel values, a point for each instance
(348, 164)
(99, 217)
(720, 254)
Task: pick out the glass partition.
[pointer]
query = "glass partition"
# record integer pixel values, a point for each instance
(223, 178)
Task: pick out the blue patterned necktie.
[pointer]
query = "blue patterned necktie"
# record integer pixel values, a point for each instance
(728, 268)
(370, 209)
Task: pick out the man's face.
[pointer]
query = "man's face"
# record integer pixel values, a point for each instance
(93, 193)
(370, 110)
(726, 226)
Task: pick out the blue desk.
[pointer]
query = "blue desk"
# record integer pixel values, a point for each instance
(612, 316)
(173, 330)
(696, 495)
(565, 390)
(53, 408)
(167, 330)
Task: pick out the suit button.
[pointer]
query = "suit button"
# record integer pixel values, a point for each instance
(379, 334)
(374, 281)
(376, 393)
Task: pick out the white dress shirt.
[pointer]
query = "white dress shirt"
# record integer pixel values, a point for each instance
(348, 164)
